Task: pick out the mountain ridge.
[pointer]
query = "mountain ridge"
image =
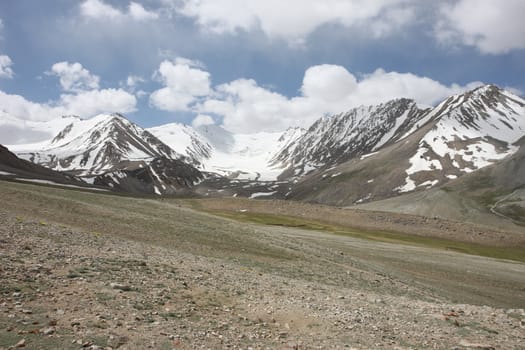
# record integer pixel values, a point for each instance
(365, 154)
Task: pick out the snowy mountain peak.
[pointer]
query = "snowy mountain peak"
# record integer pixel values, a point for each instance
(185, 140)
(97, 145)
(335, 139)
(469, 131)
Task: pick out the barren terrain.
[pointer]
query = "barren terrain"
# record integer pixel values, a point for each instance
(90, 270)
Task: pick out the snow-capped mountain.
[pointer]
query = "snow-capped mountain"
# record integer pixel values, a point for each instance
(95, 146)
(332, 140)
(186, 140)
(462, 134)
(365, 154)
(236, 156)
(469, 132)
(14, 168)
(109, 150)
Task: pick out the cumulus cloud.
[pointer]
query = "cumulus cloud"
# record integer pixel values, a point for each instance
(82, 97)
(201, 120)
(326, 89)
(184, 82)
(90, 103)
(85, 104)
(74, 77)
(494, 27)
(98, 9)
(5, 67)
(293, 20)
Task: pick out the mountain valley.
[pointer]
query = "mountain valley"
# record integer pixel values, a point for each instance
(389, 226)
(366, 156)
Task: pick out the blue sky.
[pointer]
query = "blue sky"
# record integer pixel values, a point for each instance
(249, 65)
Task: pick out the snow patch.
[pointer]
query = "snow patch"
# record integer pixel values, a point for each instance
(428, 183)
(420, 162)
(409, 185)
(364, 156)
(262, 194)
(47, 182)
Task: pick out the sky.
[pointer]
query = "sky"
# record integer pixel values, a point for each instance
(250, 65)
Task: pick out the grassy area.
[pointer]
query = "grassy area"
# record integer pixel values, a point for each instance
(152, 221)
(516, 253)
(135, 217)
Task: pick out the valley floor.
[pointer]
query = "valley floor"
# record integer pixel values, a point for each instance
(90, 270)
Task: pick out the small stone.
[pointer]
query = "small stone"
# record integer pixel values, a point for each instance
(27, 311)
(21, 344)
(476, 346)
(48, 330)
(120, 286)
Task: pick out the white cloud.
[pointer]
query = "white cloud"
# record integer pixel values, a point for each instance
(167, 99)
(74, 77)
(202, 119)
(184, 82)
(98, 9)
(83, 97)
(293, 20)
(327, 89)
(133, 80)
(329, 82)
(19, 107)
(494, 27)
(5, 67)
(139, 13)
(90, 103)
(85, 104)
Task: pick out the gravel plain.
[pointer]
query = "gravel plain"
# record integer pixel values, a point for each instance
(94, 271)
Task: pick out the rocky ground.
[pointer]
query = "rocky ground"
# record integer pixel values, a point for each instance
(68, 286)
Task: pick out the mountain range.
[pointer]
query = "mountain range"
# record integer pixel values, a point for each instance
(367, 154)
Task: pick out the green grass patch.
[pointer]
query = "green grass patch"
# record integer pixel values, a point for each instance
(516, 253)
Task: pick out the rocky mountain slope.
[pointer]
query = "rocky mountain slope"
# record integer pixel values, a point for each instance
(461, 135)
(335, 139)
(14, 168)
(95, 146)
(493, 195)
(110, 150)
